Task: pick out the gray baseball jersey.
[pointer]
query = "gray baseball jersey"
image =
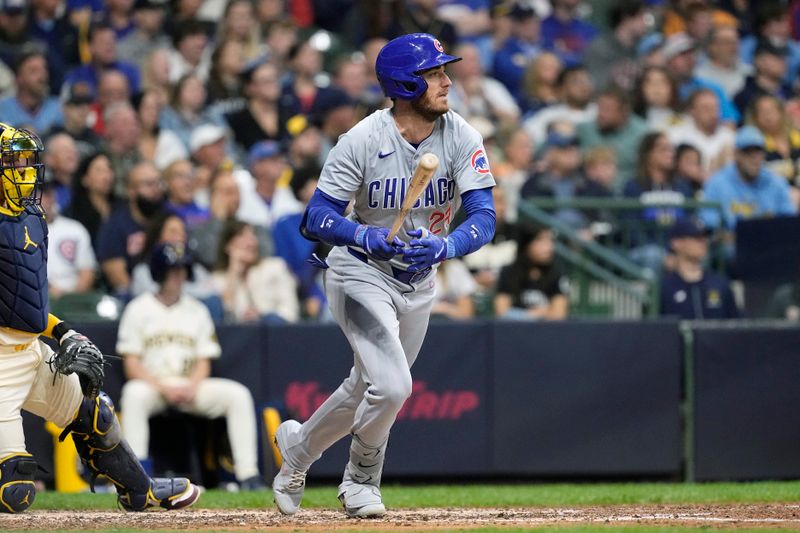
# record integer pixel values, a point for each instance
(374, 164)
(384, 319)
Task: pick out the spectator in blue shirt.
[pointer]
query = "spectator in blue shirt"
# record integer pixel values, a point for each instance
(119, 15)
(746, 188)
(655, 181)
(179, 178)
(187, 110)
(514, 56)
(14, 36)
(295, 249)
(47, 24)
(420, 16)
(563, 175)
(690, 291)
(772, 26)
(103, 51)
(120, 242)
(679, 52)
(613, 57)
(32, 107)
(565, 33)
(770, 70)
(472, 22)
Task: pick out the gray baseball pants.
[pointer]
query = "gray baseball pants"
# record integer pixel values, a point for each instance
(385, 322)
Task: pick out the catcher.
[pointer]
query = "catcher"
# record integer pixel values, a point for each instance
(62, 387)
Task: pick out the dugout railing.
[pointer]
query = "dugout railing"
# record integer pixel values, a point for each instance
(607, 278)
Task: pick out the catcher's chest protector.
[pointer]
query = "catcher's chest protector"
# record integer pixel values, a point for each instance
(23, 271)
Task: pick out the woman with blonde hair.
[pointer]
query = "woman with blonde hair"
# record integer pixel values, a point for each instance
(159, 145)
(239, 23)
(187, 109)
(227, 62)
(155, 74)
(516, 166)
(781, 139)
(540, 84)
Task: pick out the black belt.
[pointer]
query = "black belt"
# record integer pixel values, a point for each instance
(403, 276)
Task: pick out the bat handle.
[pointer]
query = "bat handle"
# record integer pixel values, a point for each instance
(395, 230)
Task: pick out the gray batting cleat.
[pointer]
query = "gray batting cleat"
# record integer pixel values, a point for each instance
(290, 483)
(360, 500)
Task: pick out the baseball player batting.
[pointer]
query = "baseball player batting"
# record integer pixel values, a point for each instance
(62, 387)
(381, 292)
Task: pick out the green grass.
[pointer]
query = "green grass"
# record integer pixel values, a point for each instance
(484, 495)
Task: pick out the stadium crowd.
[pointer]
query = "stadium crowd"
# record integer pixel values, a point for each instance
(205, 122)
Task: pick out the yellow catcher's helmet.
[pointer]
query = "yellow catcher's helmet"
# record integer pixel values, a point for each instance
(21, 167)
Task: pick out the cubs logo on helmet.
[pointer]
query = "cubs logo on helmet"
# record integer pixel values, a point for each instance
(438, 45)
(479, 162)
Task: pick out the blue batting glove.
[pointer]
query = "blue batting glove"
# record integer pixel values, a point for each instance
(373, 240)
(426, 249)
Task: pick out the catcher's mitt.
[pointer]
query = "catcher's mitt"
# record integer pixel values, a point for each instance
(78, 354)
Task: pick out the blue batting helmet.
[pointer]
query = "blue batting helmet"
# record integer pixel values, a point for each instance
(402, 59)
(167, 256)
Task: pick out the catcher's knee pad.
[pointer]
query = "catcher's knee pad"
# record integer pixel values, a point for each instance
(17, 490)
(98, 438)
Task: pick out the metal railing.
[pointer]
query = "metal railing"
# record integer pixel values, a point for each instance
(605, 280)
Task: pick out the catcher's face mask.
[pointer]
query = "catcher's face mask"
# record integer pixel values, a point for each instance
(21, 167)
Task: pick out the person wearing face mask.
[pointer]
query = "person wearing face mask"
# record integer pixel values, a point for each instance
(121, 238)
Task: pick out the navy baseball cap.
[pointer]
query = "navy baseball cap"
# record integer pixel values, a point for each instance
(766, 47)
(327, 101)
(263, 150)
(13, 6)
(561, 140)
(689, 227)
(749, 137)
(522, 10)
(77, 93)
(168, 255)
(150, 4)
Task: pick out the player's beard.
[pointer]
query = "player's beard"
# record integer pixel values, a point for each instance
(429, 108)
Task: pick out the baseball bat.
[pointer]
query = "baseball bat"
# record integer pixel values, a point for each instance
(419, 181)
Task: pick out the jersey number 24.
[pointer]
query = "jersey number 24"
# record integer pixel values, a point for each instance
(439, 221)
